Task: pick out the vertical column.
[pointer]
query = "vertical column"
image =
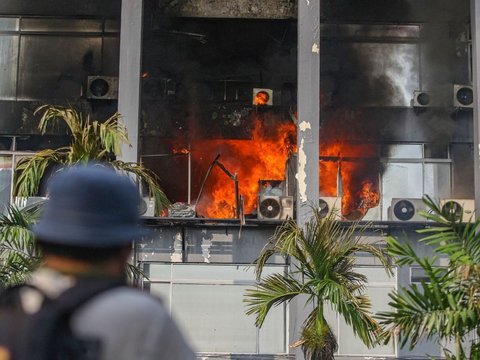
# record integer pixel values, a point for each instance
(129, 73)
(308, 133)
(475, 30)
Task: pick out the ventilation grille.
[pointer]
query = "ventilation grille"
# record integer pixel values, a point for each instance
(275, 207)
(102, 87)
(459, 209)
(407, 210)
(328, 204)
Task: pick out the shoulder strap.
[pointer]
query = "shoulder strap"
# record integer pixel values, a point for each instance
(53, 313)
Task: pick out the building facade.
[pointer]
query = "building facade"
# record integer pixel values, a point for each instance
(250, 112)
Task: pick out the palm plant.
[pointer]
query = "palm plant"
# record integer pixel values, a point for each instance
(447, 305)
(91, 141)
(19, 255)
(323, 268)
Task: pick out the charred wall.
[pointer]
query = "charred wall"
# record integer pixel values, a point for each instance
(201, 63)
(49, 48)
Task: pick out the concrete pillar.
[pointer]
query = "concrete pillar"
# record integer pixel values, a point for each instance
(475, 29)
(130, 73)
(308, 134)
(308, 106)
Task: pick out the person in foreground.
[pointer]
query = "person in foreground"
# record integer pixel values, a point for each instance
(85, 235)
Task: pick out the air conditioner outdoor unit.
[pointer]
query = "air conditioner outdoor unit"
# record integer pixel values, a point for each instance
(327, 204)
(102, 87)
(262, 97)
(272, 207)
(463, 209)
(421, 99)
(147, 207)
(462, 96)
(406, 210)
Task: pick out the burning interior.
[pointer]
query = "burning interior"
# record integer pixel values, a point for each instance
(219, 107)
(218, 110)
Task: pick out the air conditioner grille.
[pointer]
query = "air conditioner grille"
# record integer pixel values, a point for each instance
(453, 209)
(404, 210)
(323, 208)
(270, 208)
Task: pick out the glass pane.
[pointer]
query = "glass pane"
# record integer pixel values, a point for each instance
(349, 344)
(401, 180)
(272, 335)
(8, 66)
(5, 180)
(62, 78)
(210, 309)
(404, 151)
(9, 24)
(157, 272)
(376, 275)
(437, 180)
(390, 69)
(463, 171)
(61, 25)
(417, 275)
(214, 317)
(232, 274)
(162, 290)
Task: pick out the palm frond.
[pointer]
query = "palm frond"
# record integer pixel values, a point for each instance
(18, 253)
(30, 170)
(446, 306)
(422, 313)
(273, 290)
(149, 178)
(90, 141)
(323, 256)
(54, 114)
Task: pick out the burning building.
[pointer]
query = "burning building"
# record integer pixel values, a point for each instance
(225, 85)
(249, 110)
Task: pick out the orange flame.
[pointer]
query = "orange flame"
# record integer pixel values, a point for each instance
(261, 157)
(347, 169)
(180, 151)
(354, 167)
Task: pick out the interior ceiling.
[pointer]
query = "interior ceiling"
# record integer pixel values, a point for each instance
(273, 9)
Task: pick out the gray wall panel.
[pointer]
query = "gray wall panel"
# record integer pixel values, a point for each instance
(56, 66)
(61, 7)
(8, 66)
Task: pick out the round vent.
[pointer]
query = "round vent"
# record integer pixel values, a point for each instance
(142, 207)
(453, 210)
(323, 208)
(269, 208)
(404, 210)
(99, 87)
(465, 96)
(423, 99)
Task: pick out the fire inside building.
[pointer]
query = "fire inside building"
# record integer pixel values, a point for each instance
(250, 112)
(201, 81)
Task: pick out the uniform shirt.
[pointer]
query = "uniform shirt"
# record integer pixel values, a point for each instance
(130, 324)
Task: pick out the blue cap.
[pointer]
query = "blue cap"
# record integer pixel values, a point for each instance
(90, 206)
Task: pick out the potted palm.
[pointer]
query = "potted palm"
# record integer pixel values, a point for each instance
(18, 253)
(322, 267)
(91, 140)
